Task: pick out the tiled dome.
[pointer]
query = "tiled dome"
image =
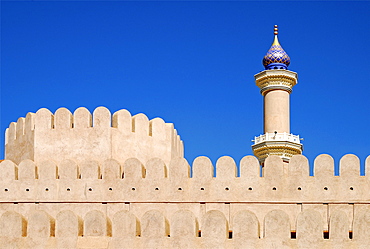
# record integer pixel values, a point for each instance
(276, 57)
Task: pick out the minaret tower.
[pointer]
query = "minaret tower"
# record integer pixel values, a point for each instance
(276, 83)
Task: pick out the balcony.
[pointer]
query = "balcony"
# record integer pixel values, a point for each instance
(281, 137)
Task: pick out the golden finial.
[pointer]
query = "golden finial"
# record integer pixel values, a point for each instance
(276, 41)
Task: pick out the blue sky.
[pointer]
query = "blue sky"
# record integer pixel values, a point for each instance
(192, 63)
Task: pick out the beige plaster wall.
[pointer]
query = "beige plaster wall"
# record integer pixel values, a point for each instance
(155, 205)
(100, 136)
(276, 111)
(118, 225)
(120, 181)
(156, 181)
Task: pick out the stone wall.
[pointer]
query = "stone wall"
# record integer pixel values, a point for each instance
(130, 204)
(120, 181)
(101, 227)
(46, 136)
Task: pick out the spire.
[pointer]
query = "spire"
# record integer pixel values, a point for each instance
(276, 57)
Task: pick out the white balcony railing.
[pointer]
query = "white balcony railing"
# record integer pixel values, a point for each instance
(277, 137)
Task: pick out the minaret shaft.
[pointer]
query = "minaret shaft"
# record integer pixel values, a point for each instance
(276, 112)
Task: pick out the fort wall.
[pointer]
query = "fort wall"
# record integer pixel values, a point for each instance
(130, 204)
(98, 180)
(45, 136)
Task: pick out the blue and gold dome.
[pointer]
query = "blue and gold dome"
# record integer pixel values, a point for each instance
(276, 57)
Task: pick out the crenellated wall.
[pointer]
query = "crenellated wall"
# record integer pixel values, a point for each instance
(154, 181)
(100, 136)
(120, 181)
(131, 204)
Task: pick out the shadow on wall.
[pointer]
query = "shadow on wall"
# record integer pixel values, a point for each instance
(182, 231)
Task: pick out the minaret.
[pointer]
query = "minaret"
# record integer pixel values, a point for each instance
(276, 83)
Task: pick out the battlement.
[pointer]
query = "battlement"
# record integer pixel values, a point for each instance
(132, 181)
(115, 203)
(44, 136)
(120, 181)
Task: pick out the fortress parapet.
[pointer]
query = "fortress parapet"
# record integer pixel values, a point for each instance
(81, 136)
(132, 204)
(132, 180)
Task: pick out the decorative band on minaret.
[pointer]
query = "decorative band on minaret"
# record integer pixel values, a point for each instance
(276, 83)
